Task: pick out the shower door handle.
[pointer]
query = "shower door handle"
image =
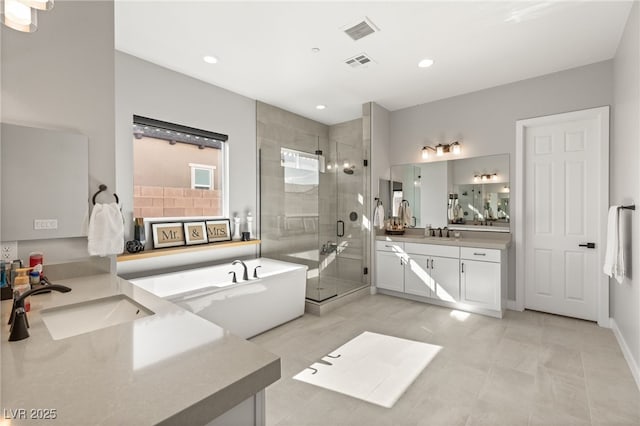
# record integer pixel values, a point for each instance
(339, 231)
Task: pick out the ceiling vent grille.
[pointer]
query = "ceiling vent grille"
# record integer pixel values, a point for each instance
(361, 60)
(361, 29)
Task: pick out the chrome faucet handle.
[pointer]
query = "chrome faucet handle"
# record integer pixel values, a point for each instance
(255, 271)
(234, 279)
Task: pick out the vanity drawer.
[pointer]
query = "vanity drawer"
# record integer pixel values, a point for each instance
(432, 250)
(488, 255)
(394, 246)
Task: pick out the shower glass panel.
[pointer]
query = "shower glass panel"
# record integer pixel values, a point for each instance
(342, 192)
(312, 199)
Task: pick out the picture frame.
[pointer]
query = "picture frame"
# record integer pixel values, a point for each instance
(167, 234)
(195, 233)
(218, 230)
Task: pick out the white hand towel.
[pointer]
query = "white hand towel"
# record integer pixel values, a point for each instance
(614, 256)
(106, 230)
(378, 216)
(407, 215)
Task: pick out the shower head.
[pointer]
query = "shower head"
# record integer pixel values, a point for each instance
(349, 170)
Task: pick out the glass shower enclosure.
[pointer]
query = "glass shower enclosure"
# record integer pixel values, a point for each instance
(313, 198)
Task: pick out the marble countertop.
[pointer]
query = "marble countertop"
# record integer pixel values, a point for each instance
(498, 241)
(172, 367)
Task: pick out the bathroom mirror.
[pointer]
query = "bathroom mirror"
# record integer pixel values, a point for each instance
(44, 183)
(470, 193)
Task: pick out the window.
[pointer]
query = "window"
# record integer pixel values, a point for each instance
(178, 171)
(202, 176)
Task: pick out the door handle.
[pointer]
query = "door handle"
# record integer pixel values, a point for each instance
(431, 263)
(462, 265)
(588, 245)
(340, 233)
(415, 221)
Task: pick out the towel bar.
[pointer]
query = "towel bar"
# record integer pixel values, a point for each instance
(103, 188)
(629, 207)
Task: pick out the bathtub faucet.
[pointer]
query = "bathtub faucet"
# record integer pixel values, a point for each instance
(245, 274)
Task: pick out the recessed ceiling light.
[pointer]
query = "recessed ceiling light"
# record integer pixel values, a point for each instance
(321, 106)
(210, 59)
(315, 49)
(425, 63)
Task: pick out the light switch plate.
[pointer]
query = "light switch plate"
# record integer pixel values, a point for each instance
(9, 250)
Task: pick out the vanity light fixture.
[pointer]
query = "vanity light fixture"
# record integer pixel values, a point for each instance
(441, 149)
(485, 177)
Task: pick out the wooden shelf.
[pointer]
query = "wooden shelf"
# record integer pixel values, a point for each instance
(183, 249)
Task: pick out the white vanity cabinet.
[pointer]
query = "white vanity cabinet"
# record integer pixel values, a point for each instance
(390, 262)
(433, 271)
(466, 278)
(481, 272)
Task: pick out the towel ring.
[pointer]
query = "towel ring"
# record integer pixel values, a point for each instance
(103, 188)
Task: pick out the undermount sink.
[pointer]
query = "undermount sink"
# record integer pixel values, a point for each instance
(84, 317)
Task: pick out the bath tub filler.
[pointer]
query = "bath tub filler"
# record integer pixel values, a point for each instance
(245, 308)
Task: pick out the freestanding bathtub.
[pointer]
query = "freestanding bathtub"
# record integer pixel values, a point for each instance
(245, 308)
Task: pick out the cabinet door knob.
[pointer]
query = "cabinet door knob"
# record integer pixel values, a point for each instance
(462, 265)
(431, 263)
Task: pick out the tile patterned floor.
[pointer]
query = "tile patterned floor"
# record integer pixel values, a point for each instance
(529, 368)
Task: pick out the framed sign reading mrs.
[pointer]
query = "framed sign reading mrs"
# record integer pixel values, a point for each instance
(218, 230)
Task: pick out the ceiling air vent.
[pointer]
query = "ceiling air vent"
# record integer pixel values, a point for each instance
(361, 29)
(359, 61)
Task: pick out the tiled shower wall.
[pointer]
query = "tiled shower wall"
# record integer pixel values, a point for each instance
(276, 129)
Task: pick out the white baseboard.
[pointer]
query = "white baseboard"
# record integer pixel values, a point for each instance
(635, 369)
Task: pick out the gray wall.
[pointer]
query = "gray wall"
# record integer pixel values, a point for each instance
(625, 180)
(484, 121)
(146, 89)
(61, 77)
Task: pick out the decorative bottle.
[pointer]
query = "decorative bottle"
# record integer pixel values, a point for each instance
(250, 225)
(236, 228)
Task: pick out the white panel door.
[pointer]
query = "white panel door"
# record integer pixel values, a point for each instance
(417, 276)
(562, 169)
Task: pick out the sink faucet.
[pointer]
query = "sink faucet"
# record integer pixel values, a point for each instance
(245, 274)
(18, 318)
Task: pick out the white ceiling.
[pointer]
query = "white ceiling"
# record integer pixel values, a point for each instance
(264, 48)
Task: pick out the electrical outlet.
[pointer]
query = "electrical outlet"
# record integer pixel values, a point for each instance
(9, 250)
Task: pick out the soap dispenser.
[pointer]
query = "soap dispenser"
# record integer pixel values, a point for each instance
(21, 285)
